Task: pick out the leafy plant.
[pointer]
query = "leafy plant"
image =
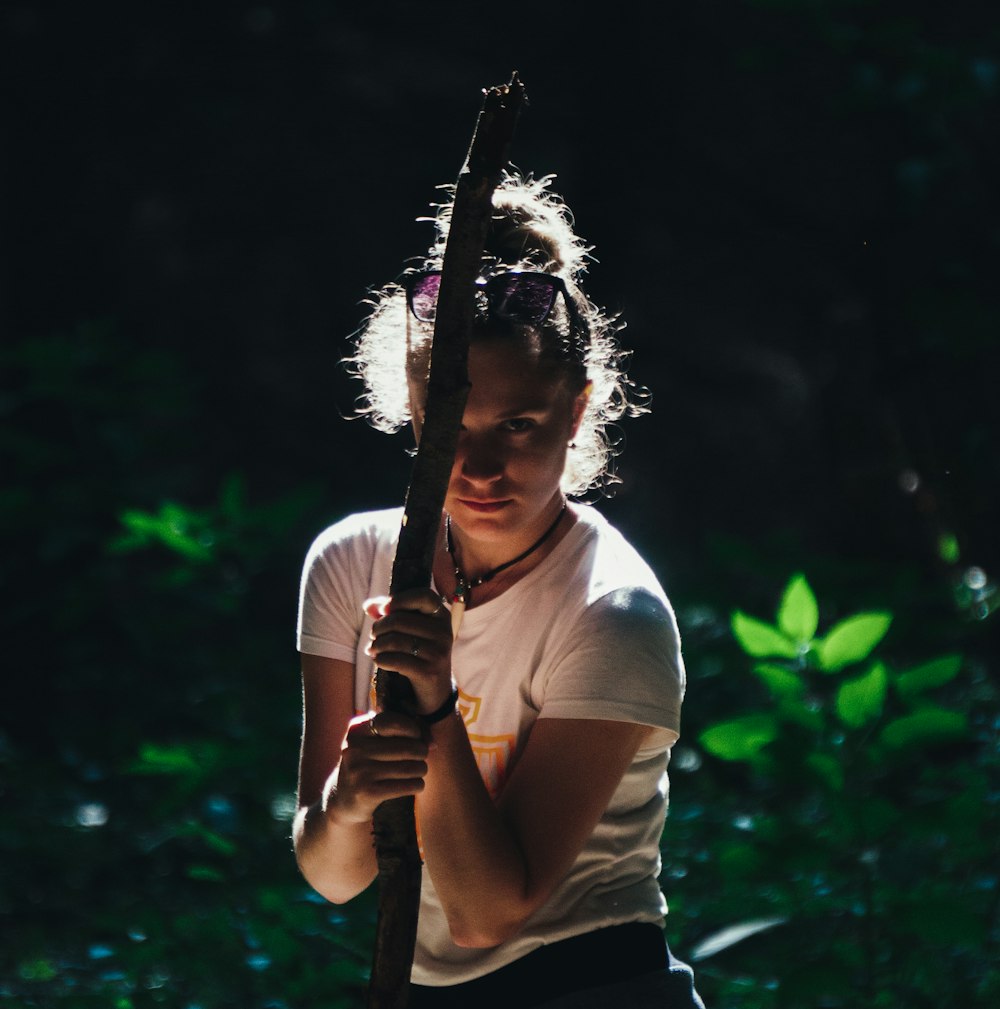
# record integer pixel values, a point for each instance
(813, 685)
(845, 810)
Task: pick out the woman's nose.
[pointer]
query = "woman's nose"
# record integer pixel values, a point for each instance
(479, 459)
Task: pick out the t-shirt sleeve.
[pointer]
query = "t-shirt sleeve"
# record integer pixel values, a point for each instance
(335, 581)
(622, 662)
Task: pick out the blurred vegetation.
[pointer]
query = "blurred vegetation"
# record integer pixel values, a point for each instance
(820, 331)
(841, 825)
(835, 807)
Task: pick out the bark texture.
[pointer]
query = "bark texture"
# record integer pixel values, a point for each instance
(399, 866)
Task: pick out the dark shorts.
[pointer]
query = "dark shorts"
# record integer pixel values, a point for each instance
(623, 966)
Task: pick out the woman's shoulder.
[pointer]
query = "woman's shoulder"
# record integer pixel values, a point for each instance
(361, 530)
(609, 562)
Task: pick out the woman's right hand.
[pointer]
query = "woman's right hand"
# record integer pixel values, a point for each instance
(384, 757)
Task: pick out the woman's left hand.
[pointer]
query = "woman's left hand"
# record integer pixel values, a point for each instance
(412, 636)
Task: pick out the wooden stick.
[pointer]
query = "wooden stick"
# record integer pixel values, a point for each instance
(447, 389)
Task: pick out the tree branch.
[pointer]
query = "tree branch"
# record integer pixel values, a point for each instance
(447, 390)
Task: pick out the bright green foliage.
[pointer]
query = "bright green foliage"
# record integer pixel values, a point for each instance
(740, 738)
(857, 701)
(852, 640)
(780, 681)
(925, 727)
(860, 700)
(178, 529)
(798, 614)
(761, 639)
(928, 675)
(853, 805)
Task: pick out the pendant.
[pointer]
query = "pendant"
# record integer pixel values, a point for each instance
(457, 612)
(458, 600)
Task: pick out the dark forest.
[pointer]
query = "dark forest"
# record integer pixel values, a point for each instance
(793, 204)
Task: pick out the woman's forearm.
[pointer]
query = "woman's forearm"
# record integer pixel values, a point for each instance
(478, 871)
(337, 859)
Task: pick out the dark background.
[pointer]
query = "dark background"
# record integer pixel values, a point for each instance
(793, 204)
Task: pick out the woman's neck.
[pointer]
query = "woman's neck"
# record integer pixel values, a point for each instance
(490, 568)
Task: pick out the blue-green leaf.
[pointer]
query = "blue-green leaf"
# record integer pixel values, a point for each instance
(740, 738)
(860, 700)
(798, 614)
(928, 675)
(924, 727)
(761, 640)
(780, 681)
(852, 640)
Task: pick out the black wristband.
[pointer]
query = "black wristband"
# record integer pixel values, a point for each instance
(444, 711)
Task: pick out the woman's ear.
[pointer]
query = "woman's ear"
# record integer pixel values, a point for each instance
(580, 407)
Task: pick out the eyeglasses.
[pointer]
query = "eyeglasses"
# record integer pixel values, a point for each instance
(519, 296)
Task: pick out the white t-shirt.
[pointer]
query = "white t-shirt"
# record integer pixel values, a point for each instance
(588, 633)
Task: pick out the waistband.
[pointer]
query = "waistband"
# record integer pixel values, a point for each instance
(605, 956)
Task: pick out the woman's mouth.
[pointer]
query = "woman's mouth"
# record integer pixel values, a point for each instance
(483, 506)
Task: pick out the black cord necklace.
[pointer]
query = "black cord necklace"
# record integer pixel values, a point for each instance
(462, 595)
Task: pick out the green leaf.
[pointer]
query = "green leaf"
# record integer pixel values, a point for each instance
(761, 640)
(169, 528)
(195, 759)
(205, 873)
(791, 709)
(38, 970)
(860, 700)
(828, 769)
(948, 548)
(798, 614)
(852, 640)
(155, 759)
(213, 839)
(780, 681)
(928, 675)
(740, 738)
(926, 726)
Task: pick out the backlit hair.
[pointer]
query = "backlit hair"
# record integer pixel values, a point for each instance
(532, 229)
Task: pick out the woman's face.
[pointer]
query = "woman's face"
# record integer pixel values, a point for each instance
(519, 419)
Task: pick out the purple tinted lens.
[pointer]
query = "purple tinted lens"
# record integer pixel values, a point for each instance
(424, 297)
(523, 298)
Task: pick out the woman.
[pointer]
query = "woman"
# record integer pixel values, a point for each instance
(544, 658)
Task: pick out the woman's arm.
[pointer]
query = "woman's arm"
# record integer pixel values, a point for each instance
(494, 865)
(344, 773)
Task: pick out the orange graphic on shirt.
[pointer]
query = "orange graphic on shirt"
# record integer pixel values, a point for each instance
(493, 753)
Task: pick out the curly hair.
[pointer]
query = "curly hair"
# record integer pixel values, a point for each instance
(532, 229)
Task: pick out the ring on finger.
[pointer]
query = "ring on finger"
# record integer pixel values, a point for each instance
(415, 649)
(371, 727)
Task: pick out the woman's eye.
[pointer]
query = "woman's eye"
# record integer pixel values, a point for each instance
(518, 424)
